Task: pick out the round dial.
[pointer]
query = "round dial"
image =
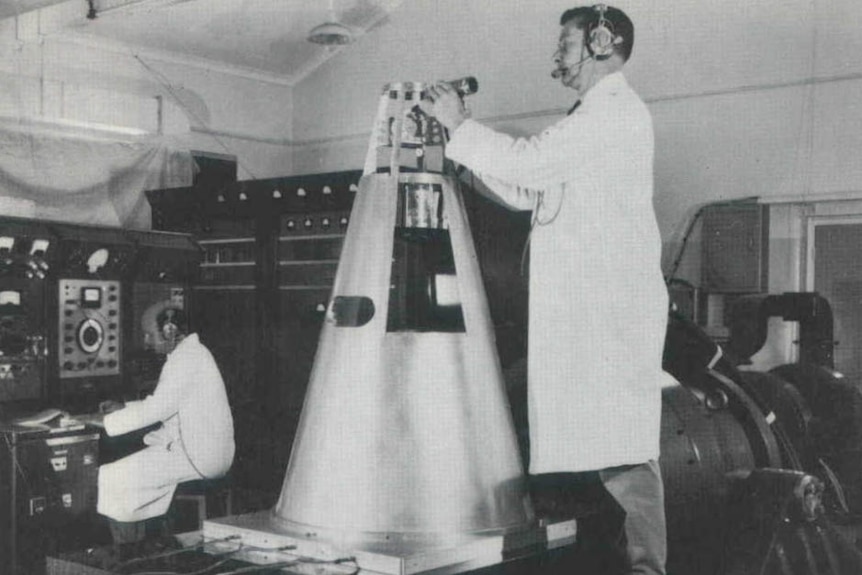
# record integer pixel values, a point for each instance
(91, 334)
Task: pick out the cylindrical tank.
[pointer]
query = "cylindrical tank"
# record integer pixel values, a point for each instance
(699, 446)
(835, 426)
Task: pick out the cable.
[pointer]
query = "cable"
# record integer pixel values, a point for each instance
(675, 267)
(218, 563)
(173, 552)
(185, 451)
(298, 561)
(535, 221)
(690, 228)
(835, 483)
(250, 569)
(17, 463)
(226, 558)
(273, 549)
(540, 202)
(809, 105)
(254, 568)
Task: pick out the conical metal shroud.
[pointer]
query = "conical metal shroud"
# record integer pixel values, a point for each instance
(406, 434)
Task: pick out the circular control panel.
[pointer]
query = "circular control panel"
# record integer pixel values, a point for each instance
(89, 328)
(91, 335)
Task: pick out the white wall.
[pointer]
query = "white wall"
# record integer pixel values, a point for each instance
(749, 98)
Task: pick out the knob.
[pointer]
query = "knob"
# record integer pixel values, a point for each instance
(90, 336)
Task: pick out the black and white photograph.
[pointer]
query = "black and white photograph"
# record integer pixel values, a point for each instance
(430, 287)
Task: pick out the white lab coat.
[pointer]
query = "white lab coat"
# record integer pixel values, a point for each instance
(196, 440)
(598, 302)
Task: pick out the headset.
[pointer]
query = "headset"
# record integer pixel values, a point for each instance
(601, 37)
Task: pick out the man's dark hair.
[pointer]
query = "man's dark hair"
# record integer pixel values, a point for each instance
(587, 17)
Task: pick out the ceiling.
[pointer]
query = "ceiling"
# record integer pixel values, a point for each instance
(260, 37)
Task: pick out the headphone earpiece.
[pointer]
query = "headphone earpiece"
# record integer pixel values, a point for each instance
(601, 38)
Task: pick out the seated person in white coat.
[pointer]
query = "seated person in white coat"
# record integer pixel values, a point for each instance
(195, 441)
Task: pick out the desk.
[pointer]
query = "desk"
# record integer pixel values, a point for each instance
(183, 554)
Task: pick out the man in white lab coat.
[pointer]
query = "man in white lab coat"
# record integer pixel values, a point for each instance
(598, 302)
(195, 441)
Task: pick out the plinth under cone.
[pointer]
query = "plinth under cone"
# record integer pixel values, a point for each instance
(406, 433)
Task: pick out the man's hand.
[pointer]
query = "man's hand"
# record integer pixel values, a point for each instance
(446, 105)
(95, 419)
(110, 406)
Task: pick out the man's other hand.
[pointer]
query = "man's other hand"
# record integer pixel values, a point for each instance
(95, 419)
(446, 105)
(110, 406)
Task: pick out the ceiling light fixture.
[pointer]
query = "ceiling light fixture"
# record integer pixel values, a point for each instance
(331, 32)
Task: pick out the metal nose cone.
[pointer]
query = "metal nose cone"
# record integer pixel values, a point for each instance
(406, 437)
(406, 429)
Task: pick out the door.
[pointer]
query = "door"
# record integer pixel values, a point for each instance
(835, 272)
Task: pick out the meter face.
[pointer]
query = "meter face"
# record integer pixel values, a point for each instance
(91, 297)
(10, 297)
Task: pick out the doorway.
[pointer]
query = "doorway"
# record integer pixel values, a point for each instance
(835, 272)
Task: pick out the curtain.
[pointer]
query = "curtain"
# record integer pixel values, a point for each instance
(86, 181)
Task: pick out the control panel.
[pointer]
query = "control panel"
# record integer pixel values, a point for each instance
(22, 340)
(89, 328)
(24, 265)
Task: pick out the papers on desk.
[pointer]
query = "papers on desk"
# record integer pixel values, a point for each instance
(53, 419)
